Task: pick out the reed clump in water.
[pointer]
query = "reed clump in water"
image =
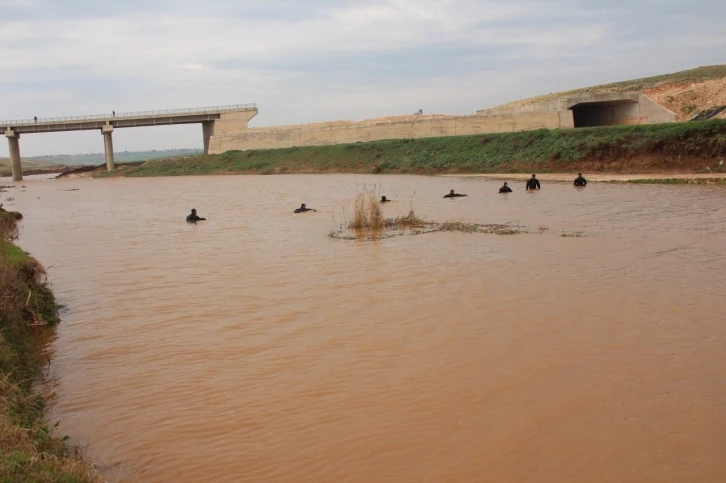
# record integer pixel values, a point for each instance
(367, 214)
(368, 222)
(409, 220)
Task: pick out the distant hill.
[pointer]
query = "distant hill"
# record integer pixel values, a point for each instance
(100, 158)
(29, 162)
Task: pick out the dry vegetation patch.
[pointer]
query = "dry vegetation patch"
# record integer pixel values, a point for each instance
(368, 222)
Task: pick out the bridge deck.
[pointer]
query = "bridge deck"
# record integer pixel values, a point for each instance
(122, 119)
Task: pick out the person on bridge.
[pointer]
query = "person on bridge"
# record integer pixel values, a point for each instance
(193, 217)
(303, 209)
(36, 118)
(580, 181)
(532, 184)
(384, 199)
(453, 195)
(505, 188)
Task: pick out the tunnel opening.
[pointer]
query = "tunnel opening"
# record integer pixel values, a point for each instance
(605, 113)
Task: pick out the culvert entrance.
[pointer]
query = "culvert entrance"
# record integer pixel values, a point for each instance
(604, 113)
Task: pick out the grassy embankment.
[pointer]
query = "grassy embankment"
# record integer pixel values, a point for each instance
(29, 449)
(645, 148)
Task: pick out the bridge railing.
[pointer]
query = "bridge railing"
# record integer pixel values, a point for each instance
(111, 116)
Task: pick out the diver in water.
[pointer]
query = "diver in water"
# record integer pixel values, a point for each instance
(532, 184)
(193, 217)
(580, 181)
(453, 195)
(505, 188)
(384, 199)
(303, 209)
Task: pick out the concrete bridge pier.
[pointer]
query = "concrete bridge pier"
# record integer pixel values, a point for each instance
(14, 142)
(207, 133)
(107, 132)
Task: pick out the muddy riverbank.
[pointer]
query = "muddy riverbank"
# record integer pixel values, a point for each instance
(30, 448)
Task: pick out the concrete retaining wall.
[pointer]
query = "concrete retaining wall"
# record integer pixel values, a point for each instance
(306, 135)
(231, 132)
(650, 112)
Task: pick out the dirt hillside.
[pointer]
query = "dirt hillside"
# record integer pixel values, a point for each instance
(687, 99)
(701, 87)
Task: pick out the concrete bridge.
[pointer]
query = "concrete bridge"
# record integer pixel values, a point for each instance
(214, 120)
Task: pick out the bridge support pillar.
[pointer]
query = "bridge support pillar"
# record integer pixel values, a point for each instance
(107, 132)
(14, 142)
(207, 133)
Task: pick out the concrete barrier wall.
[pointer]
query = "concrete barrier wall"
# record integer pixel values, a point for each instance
(232, 133)
(307, 135)
(650, 112)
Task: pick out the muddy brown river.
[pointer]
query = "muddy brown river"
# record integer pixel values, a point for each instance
(252, 347)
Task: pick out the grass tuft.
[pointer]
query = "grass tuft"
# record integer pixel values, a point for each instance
(367, 214)
(9, 225)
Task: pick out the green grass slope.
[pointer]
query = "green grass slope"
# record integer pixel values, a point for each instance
(602, 148)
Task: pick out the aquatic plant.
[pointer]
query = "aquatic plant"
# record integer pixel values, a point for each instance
(367, 214)
(409, 220)
(368, 222)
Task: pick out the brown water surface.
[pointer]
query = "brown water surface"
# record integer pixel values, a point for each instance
(251, 347)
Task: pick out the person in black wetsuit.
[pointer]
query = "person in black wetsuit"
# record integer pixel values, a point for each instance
(193, 217)
(453, 195)
(384, 199)
(580, 181)
(532, 184)
(505, 188)
(303, 209)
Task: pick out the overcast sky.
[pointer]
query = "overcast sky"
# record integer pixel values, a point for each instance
(319, 60)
